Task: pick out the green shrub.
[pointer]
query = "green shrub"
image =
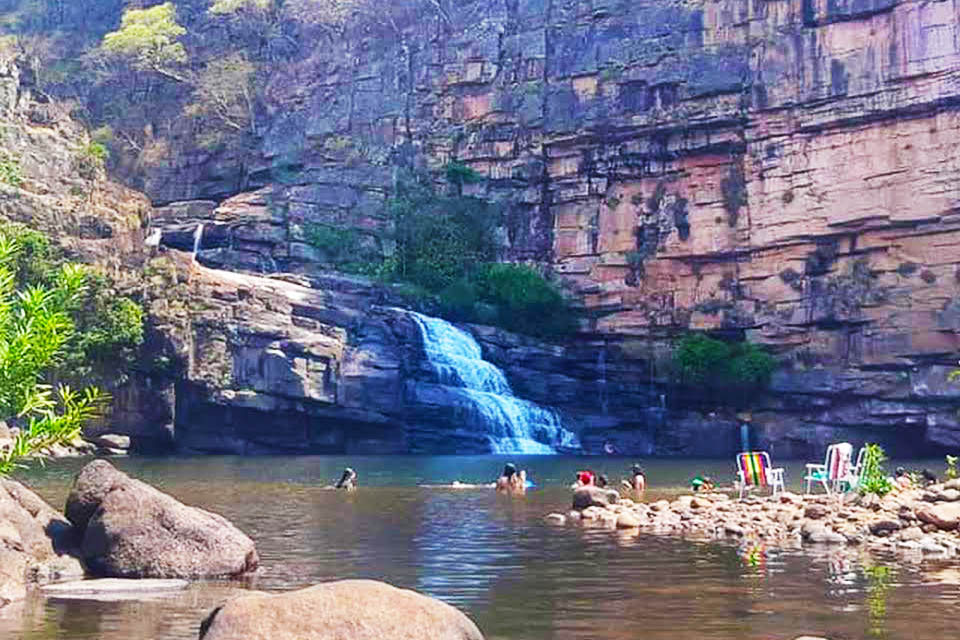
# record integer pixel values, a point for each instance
(91, 159)
(10, 172)
(35, 327)
(873, 477)
(458, 301)
(440, 239)
(459, 174)
(951, 471)
(525, 301)
(702, 360)
(108, 328)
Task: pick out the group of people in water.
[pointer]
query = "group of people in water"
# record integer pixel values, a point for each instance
(514, 480)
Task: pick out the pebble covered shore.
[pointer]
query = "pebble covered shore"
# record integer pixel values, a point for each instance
(924, 521)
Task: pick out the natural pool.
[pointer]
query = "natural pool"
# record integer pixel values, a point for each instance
(495, 557)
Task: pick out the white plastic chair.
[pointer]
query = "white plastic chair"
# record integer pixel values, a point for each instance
(836, 470)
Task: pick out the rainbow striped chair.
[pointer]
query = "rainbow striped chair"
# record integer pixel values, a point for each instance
(755, 470)
(837, 471)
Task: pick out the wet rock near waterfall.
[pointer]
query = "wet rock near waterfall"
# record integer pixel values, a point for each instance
(128, 529)
(36, 543)
(354, 609)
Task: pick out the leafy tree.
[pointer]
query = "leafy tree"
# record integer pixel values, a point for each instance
(149, 40)
(224, 93)
(35, 327)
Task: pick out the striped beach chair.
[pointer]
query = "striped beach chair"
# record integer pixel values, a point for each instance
(837, 471)
(755, 470)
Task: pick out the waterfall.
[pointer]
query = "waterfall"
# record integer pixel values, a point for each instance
(197, 240)
(455, 361)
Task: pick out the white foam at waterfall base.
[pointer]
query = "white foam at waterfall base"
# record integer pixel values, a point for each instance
(514, 426)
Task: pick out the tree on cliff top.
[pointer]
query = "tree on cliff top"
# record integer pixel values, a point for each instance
(35, 327)
(148, 39)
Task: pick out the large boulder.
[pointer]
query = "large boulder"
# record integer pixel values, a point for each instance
(128, 529)
(36, 542)
(584, 497)
(346, 610)
(943, 515)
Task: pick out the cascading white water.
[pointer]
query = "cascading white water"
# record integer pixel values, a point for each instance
(197, 240)
(455, 360)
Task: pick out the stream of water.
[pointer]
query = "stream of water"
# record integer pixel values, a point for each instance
(495, 557)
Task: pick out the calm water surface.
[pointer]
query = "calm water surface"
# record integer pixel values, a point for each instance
(495, 558)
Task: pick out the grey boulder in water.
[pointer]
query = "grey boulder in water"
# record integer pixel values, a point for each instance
(128, 529)
(36, 543)
(584, 497)
(345, 610)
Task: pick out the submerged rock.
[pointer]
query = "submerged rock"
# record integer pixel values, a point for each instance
(36, 542)
(354, 609)
(113, 589)
(128, 529)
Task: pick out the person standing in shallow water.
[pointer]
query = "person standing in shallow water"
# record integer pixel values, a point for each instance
(348, 480)
(512, 480)
(637, 481)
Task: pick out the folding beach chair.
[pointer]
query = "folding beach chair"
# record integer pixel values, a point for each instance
(755, 470)
(836, 470)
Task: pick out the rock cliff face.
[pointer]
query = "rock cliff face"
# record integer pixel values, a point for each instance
(783, 170)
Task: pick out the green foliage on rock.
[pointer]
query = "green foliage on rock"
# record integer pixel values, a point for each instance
(10, 172)
(108, 329)
(92, 159)
(873, 476)
(36, 328)
(439, 238)
(704, 361)
(951, 471)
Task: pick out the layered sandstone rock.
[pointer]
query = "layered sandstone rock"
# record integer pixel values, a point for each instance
(782, 171)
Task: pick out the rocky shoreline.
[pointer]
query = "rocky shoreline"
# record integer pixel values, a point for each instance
(135, 540)
(924, 523)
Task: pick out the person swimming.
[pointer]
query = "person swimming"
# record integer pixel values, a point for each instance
(702, 483)
(348, 480)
